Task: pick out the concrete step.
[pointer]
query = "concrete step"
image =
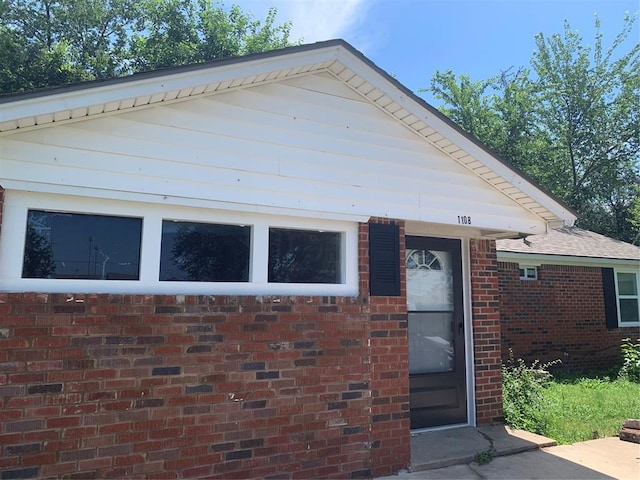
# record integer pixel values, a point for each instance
(443, 448)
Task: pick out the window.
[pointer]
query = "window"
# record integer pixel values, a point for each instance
(204, 252)
(528, 273)
(78, 246)
(303, 256)
(628, 296)
(57, 243)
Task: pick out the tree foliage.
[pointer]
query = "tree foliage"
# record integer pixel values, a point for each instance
(38, 258)
(571, 121)
(211, 253)
(46, 43)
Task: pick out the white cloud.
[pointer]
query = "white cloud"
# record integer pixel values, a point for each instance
(317, 20)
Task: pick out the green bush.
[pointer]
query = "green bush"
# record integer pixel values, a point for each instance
(522, 392)
(630, 360)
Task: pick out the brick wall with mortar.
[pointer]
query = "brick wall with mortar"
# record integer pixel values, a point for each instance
(558, 316)
(166, 386)
(486, 331)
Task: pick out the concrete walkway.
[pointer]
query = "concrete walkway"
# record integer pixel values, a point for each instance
(515, 454)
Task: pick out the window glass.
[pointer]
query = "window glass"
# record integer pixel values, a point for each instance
(628, 297)
(204, 252)
(429, 280)
(528, 273)
(73, 245)
(304, 256)
(627, 284)
(629, 310)
(431, 342)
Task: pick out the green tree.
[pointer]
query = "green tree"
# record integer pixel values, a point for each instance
(38, 256)
(46, 43)
(212, 253)
(572, 122)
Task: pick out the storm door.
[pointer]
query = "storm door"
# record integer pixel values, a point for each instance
(437, 377)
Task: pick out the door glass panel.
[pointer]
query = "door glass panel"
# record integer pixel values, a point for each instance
(430, 303)
(429, 280)
(431, 342)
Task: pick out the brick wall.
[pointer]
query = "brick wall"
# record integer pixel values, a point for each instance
(165, 386)
(390, 424)
(170, 386)
(558, 316)
(486, 331)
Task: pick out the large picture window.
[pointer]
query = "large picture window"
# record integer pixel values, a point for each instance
(304, 256)
(204, 252)
(628, 296)
(80, 246)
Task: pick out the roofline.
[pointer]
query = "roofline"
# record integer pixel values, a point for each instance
(455, 126)
(559, 259)
(86, 85)
(161, 72)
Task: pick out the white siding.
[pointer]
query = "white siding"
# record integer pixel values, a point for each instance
(308, 146)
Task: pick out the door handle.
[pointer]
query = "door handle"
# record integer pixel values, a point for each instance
(460, 328)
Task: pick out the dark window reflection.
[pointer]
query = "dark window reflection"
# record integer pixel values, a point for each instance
(301, 256)
(73, 245)
(204, 252)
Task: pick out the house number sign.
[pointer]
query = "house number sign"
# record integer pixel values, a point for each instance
(464, 219)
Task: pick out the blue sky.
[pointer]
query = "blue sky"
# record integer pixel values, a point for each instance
(411, 39)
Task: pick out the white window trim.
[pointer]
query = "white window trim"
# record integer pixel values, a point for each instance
(17, 204)
(526, 267)
(619, 296)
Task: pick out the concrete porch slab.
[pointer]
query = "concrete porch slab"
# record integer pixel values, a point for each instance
(442, 448)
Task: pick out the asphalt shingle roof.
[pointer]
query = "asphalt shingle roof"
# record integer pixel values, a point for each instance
(571, 241)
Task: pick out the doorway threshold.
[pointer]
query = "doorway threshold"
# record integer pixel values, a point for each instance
(419, 431)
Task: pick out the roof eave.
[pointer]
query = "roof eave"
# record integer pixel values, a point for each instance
(73, 102)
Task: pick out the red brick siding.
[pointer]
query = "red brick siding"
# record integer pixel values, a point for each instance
(558, 316)
(390, 424)
(486, 331)
(166, 386)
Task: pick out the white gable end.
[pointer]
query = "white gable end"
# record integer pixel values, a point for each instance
(315, 130)
(307, 146)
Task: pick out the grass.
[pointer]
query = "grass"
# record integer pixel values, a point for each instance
(576, 409)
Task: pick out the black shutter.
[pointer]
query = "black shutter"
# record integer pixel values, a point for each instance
(384, 260)
(610, 301)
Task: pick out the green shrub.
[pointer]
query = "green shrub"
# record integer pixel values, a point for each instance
(630, 360)
(522, 391)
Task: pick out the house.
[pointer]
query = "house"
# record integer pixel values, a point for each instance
(274, 266)
(571, 295)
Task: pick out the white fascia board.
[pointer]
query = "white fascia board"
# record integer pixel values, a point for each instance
(148, 85)
(537, 259)
(449, 132)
